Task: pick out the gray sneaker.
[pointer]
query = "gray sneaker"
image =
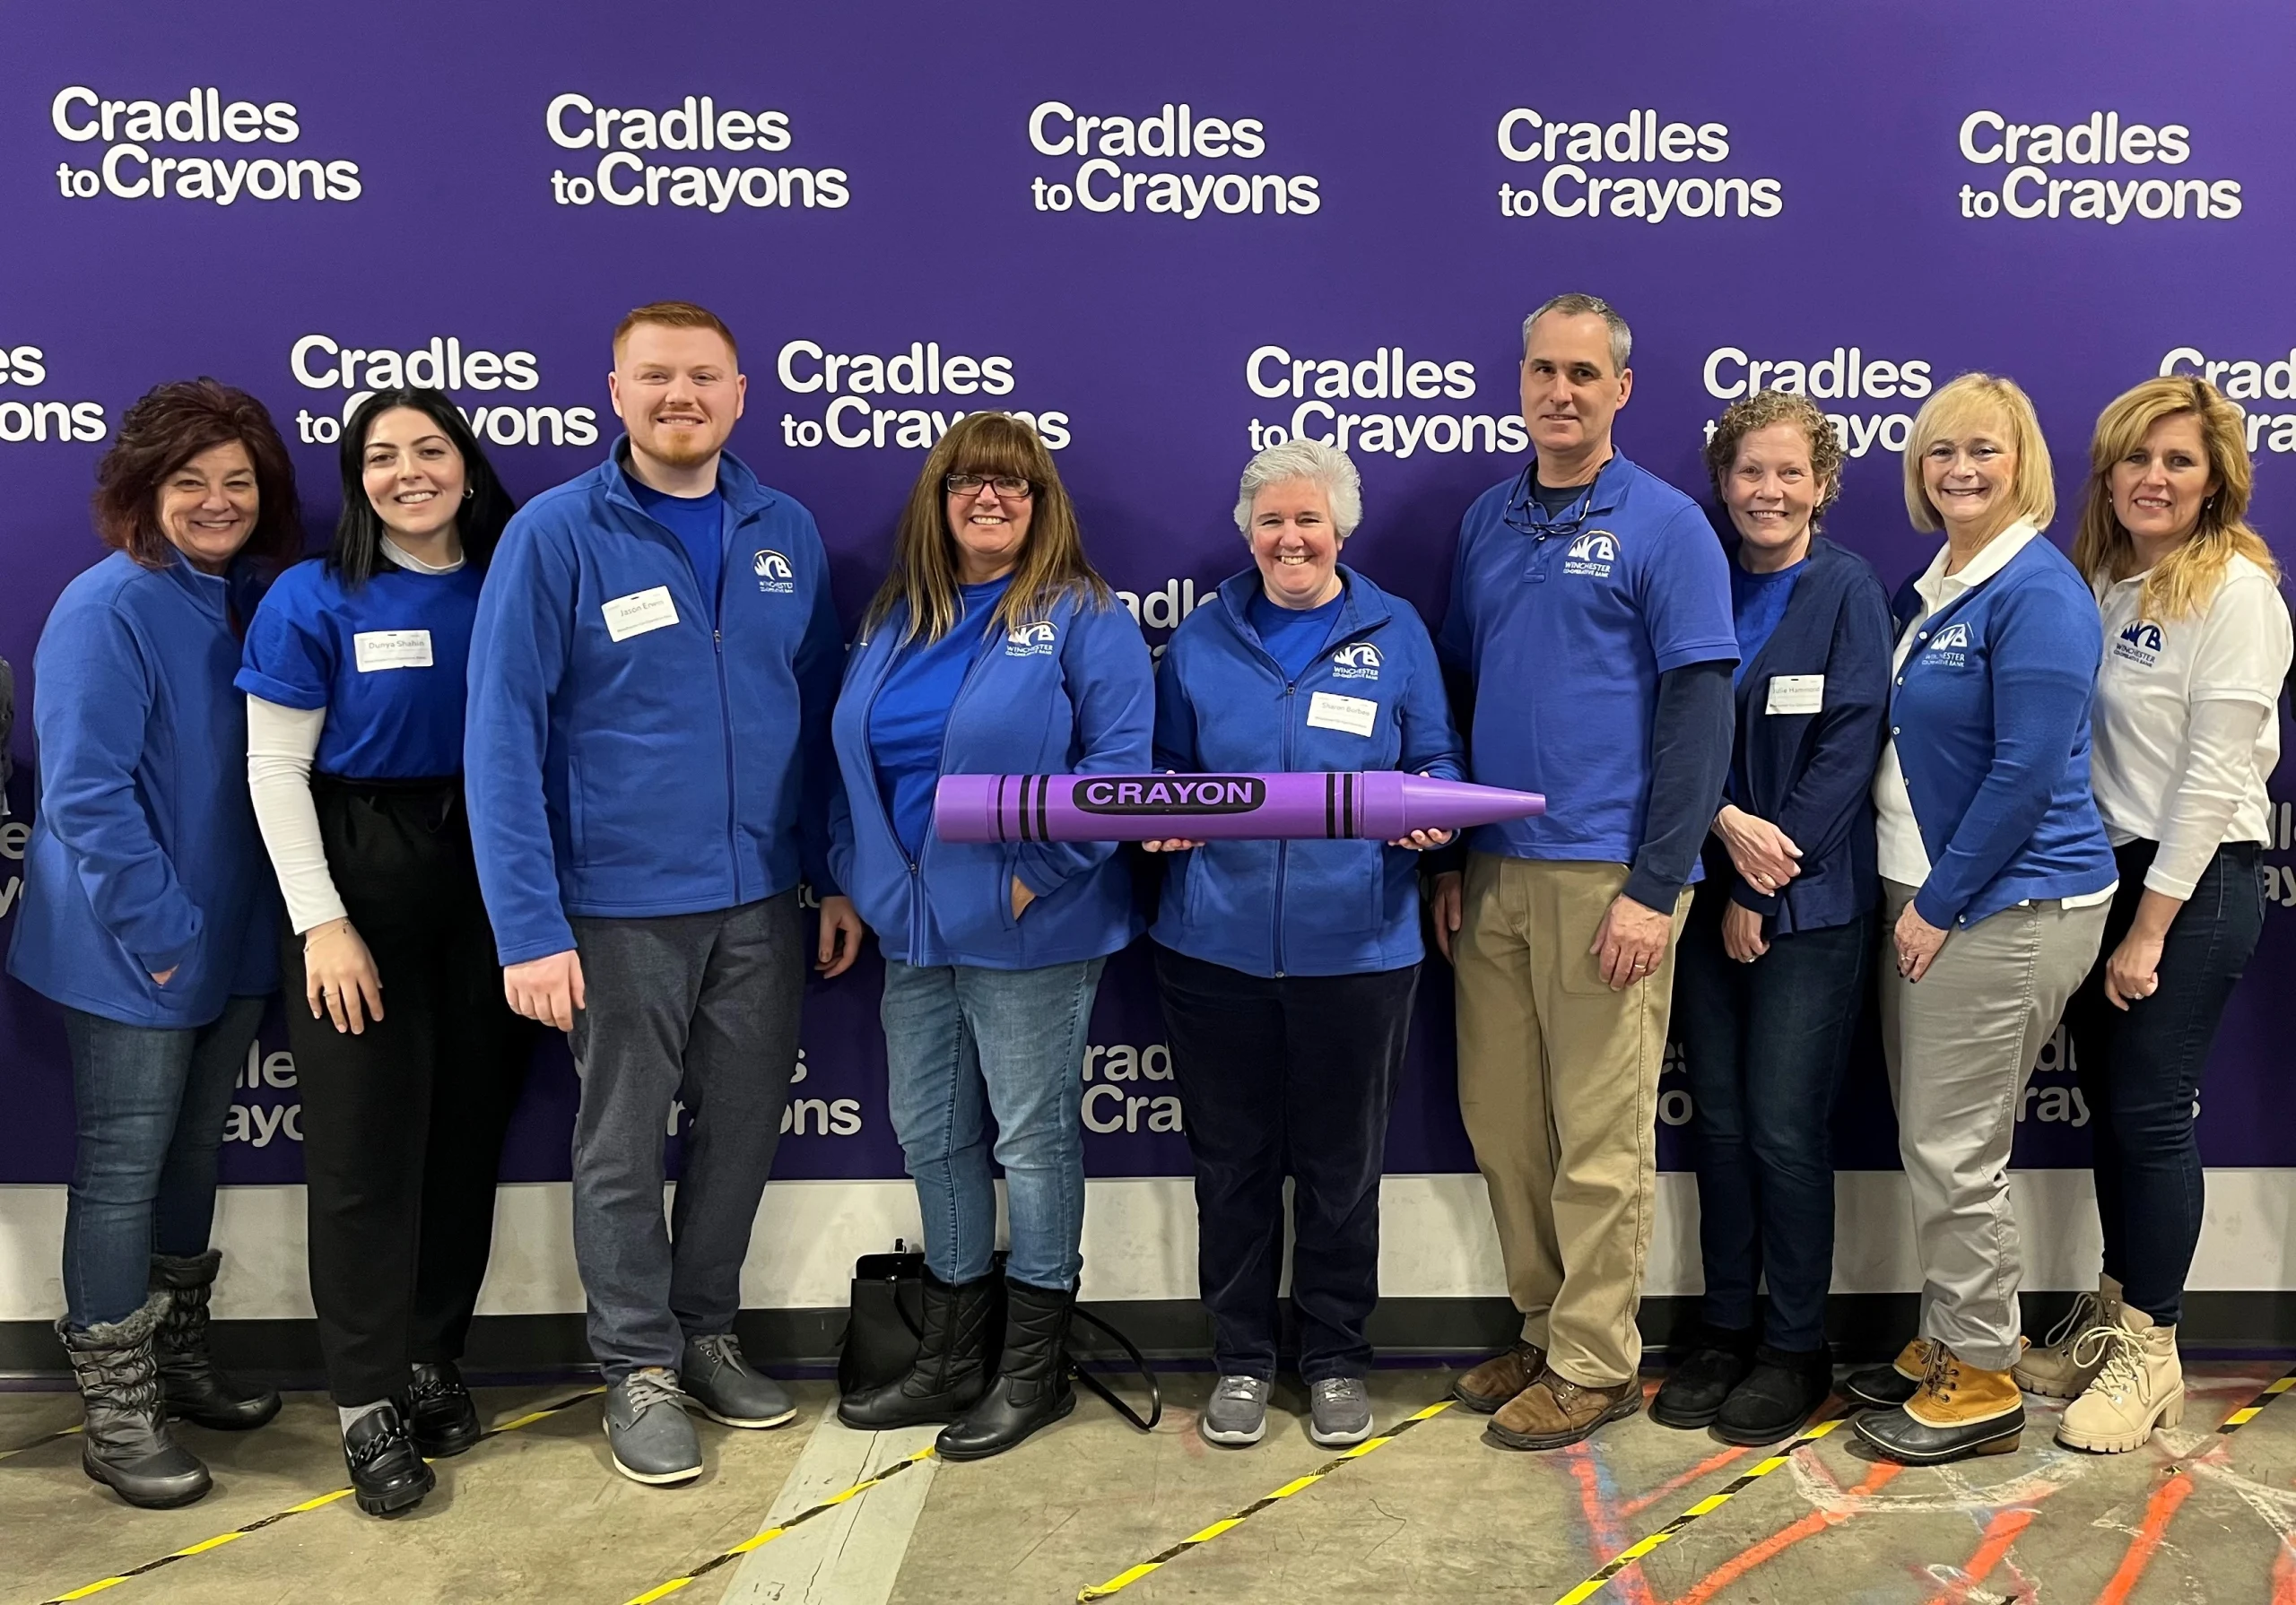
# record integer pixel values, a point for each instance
(721, 1384)
(1339, 1412)
(1237, 1414)
(647, 1429)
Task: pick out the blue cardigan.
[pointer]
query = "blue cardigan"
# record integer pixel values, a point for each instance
(144, 855)
(1073, 694)
(1224, 705)
(1812, 773)
(1990, 712)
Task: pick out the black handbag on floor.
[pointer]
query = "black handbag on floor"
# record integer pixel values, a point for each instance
(886, 1322)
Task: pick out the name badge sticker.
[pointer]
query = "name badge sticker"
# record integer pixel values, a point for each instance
(1354, 715)
(1796, 693)
(639, 611)
(391, 649)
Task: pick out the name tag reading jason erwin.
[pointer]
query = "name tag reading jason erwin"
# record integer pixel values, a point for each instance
(1796, 693)
(391, 649)
(1354, 715)
(639, 611)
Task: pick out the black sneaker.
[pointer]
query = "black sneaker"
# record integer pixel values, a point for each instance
(440, 1415)
(1692, 1395)
(1778, 1398)
(388, 1477)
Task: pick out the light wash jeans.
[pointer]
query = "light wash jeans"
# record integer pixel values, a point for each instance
(961, 1044)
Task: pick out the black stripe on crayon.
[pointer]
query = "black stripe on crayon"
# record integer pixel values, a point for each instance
(1347, 804)
(1044, 790)
(1331, 805)
(1000, 808)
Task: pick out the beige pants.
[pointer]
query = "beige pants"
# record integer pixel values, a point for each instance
(1559, 1085)
(1960, 1044)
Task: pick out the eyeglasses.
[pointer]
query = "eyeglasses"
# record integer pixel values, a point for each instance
(1003, 484)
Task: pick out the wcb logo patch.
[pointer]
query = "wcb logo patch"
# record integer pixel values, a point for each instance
(1950, 646)
(1039, 639)
(774, 574)
(1358, 662)
(1592, 554)
(2139, 643)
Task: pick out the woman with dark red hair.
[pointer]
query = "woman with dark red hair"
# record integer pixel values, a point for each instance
(150, 912)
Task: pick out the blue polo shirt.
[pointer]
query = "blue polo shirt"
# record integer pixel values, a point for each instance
(389, 662)
(1564, 623)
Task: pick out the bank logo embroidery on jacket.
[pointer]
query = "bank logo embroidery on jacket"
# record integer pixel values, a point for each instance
(1032, 640)
(774, 573)
(1592, 553)
(1358, 662)
(2140, 644)
(1949, 647)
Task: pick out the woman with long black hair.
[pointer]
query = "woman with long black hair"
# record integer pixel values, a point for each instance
(408, 1058)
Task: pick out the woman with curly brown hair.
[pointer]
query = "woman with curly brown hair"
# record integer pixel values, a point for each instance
(149, 913)
(1774, 960)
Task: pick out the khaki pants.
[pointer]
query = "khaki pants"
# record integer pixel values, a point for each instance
(1559, 1087)
(1960, 1044)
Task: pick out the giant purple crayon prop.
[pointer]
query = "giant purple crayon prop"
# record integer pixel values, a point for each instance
(1380, 804)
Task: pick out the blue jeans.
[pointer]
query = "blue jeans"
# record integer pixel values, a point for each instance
(1765, 1045)
(963, 1043)
(150, 1104)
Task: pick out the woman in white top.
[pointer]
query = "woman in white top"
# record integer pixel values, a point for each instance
(2196, 647)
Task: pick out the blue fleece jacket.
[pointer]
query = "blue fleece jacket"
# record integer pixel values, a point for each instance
(144, 857)
(1990, 712)
(1225, 704)
(621, 757)
(1070, 694)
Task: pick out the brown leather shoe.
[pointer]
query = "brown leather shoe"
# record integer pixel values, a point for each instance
(1554, 1412)
(1500, 1377)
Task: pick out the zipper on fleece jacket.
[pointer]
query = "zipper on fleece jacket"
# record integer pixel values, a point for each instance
(725, 696)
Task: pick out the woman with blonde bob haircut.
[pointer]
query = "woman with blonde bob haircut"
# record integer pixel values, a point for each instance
(992, 647)
(2196, 647)
(1996, 875)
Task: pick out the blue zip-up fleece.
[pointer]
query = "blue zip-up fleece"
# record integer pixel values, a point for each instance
(1812, 773)
(1223, 705)
(145, 857)
(1991, 717)
(1072, 694)
(635, 748)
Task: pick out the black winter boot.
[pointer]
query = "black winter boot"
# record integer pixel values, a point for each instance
(1692, 1395)
(1779, 1396)
(1031, 1387)
(196, 1389)
(946, 1380)
(125, 1443)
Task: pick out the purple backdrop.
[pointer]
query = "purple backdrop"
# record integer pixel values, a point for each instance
(1162, 231)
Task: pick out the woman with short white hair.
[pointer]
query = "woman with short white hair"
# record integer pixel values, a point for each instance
(1287, 968)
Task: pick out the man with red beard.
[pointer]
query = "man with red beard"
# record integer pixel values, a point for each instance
(648, 766)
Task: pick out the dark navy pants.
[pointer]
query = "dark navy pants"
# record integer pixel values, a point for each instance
(1288, 1076)
(2139, 1071)
(1765, 1045)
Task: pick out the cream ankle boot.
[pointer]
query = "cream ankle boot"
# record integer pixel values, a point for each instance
(2139, 1383)
(2049, 1368)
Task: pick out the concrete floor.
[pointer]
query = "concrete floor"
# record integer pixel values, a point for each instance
(1435, 1516)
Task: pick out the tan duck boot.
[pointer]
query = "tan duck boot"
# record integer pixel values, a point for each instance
(1885, 1387)
(2139, 1384)
(1957, 1412)
(2049, 1368)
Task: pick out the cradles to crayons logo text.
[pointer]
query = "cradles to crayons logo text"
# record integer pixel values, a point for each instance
(131, 170)
(1639, 139)
(1099, 182)
(628, 174)
(1190, 793)
(2046, 175)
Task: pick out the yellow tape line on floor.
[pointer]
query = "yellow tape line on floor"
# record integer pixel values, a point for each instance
(40, 1443)
(320, 1503)
(1125, 1579)
(1713, 1502)
(779, 1529)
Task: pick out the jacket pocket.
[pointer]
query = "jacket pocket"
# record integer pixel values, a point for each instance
(1335, 888)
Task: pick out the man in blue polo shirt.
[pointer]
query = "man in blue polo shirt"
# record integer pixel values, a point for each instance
(648, 768)
(1591, 616)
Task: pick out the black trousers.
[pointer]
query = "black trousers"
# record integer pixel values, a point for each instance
(403, 1123)
(1288, 1076)
(2139, 1071)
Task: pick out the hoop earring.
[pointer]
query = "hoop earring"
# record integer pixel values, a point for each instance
(469, 491)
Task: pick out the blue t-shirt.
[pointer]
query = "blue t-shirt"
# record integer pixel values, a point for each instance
(1293, 636)
(908, 723)
(1757, 603)
(698, 522)
(386, 660)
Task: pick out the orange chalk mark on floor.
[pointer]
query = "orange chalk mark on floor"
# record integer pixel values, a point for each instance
(2159, 1510)
(1603, 1522)
(2284, 1575)
(1786, 1537)
(2000, 1534)
(1705, 1468)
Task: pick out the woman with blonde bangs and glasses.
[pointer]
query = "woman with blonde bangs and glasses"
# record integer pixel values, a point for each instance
(992, 647)
(1995, 877)
(2196, 647)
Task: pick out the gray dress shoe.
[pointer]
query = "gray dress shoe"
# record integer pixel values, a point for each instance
(1237, 1413)
(721, 1384)
(1339, 1412)
(648, 1431)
